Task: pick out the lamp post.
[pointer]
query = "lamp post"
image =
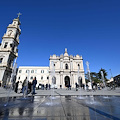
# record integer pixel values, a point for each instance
(111, 73)
(113, 79)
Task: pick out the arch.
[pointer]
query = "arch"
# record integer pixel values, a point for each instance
(53, 80)
(67, 81)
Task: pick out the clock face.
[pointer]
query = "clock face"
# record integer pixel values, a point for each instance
(10, 32)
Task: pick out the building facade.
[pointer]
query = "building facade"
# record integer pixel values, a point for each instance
(41, 73)
(66, 70)
(63, 70)
(9, 51)
(117, 80)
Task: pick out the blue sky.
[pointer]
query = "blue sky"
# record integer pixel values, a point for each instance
(90, 28)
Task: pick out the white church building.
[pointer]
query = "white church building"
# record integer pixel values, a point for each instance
(63, 70)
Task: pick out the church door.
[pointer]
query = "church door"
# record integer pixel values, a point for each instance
(67, 81)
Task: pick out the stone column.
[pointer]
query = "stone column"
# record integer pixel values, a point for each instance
(60, 79)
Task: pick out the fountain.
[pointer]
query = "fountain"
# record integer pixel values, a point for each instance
(91, 101)
(52, 97)
(11, 81)
(79, 82)
(103, 80)
(89, 77)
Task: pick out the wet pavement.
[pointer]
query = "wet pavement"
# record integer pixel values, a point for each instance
(60, 108)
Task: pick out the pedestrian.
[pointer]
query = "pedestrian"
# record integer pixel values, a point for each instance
(43, 86)
(60, 86)
(89, 86)
(46, 86)
(76, 85)
(29, 86)
(69, 87)
(49, 86)
(20, 87)
(0, 84)
(94, 86)
(25, 87)
(34, 82)
(16, 86)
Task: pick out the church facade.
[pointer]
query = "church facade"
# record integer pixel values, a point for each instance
(66, 70)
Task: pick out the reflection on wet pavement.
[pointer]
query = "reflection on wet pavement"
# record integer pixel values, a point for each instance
(60, 108)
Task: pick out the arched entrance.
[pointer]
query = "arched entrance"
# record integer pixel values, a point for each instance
(67, 81)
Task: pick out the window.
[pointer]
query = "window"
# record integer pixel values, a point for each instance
(13, 47)
(20, 71)
(27, 71)
(66, 66)
(14, 23)
(1, 60)
(42, 71)
(6, 43)
(42, 78)
(35, 71)
(18, 78)
(47, 77)
(32, 71)
(78, 66)
(31, 77)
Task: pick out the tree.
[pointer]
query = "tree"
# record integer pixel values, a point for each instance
(95, 77)
(104, 74)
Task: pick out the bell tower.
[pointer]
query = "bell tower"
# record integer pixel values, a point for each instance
(8, 50)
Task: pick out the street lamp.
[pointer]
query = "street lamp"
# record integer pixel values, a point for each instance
(111, 73)
(113, 78)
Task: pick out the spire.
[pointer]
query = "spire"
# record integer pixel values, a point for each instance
(65, 54)
(65, 50)
(16, 20)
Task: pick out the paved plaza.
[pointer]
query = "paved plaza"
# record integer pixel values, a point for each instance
(60, 104)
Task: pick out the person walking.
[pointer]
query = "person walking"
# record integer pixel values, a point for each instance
(89, 86)
(0, 84)
(49, 86)
(29, 87)
(16, 86)
(34, 82)
(25, 87)
(76, 86)
(20, 87)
